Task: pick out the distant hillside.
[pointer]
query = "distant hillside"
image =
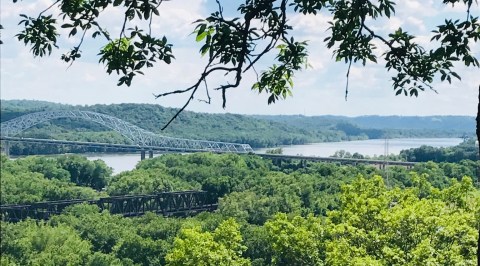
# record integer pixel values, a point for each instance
(390, 126)
(219, 127)
(459, 123)
(258, 131)
(24, 105)
(13, 108)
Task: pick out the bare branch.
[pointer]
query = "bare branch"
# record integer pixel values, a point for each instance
(372, 33)
(181, 109)
(48, 8)
(208, 94)
(175, 92)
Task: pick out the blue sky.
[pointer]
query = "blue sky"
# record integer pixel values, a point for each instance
(318, 90)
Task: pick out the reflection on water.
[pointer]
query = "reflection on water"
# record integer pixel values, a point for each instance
(125, 162)
(119, 162)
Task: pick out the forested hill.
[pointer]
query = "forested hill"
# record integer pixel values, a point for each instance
(393, 125)
(258, 131)
(459, 123)
(218, 127)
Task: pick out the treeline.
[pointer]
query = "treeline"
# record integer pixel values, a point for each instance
(36, 178)
(465, 150)
(258, 131)
(390, 126)
(270, 213)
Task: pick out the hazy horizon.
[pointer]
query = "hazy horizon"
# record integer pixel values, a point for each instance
(319, 115)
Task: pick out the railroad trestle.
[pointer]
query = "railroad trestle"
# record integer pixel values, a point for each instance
(165, 203)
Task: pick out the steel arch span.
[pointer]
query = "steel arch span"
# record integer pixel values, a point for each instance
(135, 134)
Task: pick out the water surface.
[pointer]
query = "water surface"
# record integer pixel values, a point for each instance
(125, 162)
(370, 147)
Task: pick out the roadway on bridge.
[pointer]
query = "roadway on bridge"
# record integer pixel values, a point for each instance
(136, 148)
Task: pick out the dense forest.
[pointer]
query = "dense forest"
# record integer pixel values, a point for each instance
(258, 131)
(270, 213)
(465, 150)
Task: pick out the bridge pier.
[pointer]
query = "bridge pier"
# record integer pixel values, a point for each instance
(143, 154)
(303, 163)
(5, 145)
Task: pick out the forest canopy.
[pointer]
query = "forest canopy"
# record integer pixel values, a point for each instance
(269, 214)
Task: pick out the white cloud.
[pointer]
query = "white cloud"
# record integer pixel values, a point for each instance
(311, 24)
(423, 8)
(417, 23)
(392, 25)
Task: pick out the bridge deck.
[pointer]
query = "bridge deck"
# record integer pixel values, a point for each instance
(129, 147)
(338, 160)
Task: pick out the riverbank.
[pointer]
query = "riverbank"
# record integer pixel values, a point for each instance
(128, 161)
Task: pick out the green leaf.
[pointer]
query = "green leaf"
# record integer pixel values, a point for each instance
(201, 36)
(456, 75)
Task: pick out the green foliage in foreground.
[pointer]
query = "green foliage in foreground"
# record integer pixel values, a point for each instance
(269, 214)
(221, 247)
(35, 179)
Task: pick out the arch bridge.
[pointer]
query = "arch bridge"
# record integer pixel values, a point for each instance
(140, 138)
(143, 140)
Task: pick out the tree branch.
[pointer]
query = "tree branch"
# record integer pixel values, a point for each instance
(48, 8)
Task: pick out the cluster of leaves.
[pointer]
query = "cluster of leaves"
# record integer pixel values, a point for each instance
(132, 51)
(278, 80)
(266, 217)
(222, 247)
(128, 59)
(40, 33)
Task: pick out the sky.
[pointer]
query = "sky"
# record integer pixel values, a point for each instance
(318, 90)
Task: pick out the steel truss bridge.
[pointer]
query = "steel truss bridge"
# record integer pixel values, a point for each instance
(143, 140)
(140, 139)
(165, 203)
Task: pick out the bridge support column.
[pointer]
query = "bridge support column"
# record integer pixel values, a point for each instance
(6, 148)
(142, 155)
(150, 154)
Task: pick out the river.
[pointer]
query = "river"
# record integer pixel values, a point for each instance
(125, 162)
